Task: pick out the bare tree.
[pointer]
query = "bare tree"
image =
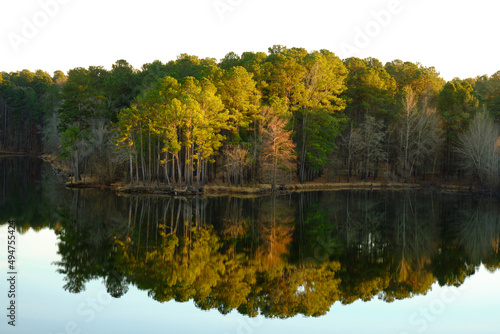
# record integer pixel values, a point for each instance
(236, 160)
(350, 141)
(427, 139)
(104, 159)
(420, 136)
(51, 140)
(84, 153)
(369, 142)
(406, 119)
(479, 148)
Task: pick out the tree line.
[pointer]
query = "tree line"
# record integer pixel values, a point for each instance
(278, 117)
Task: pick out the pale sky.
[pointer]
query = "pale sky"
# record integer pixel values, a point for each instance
(459, 38)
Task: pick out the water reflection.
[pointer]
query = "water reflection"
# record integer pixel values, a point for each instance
(26, 192)
(278, 256)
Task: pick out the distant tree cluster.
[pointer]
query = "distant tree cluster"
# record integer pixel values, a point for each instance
(285, 116)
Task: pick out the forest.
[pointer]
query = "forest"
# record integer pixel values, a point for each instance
(282, 117)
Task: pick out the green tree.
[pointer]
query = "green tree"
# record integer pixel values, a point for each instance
(488, 89)
(317, 114)
(310, 86)
(120, 87)
(457, 104)
(83, 101)
(240, 97)
(370, 90)
(152, 72)
(229, 61)
(73, 142)
(184, 66)
(82, 98)
(24, 95)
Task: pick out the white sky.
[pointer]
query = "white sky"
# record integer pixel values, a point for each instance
(458, 37)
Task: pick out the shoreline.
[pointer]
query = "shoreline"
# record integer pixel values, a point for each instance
(4, 153)
(212, 190)
(264, 189)
(215, 189)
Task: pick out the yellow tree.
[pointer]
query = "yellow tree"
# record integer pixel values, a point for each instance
(211, 118)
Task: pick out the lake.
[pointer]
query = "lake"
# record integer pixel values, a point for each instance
(356, 261)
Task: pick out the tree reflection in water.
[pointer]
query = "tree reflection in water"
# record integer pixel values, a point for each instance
(278, 256)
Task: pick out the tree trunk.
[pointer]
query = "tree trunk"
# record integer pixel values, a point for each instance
(203, 169)
(179, 170)
(158, 166)
(349, 155)
(149, 149)
(77, 172)
(173, 170)
(191, 166)
(5, 125)
(131, 167)
(198, 174)
(165, 166)
(303, 153)
(142, 158)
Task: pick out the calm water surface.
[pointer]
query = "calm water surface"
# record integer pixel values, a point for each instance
(91, 261)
